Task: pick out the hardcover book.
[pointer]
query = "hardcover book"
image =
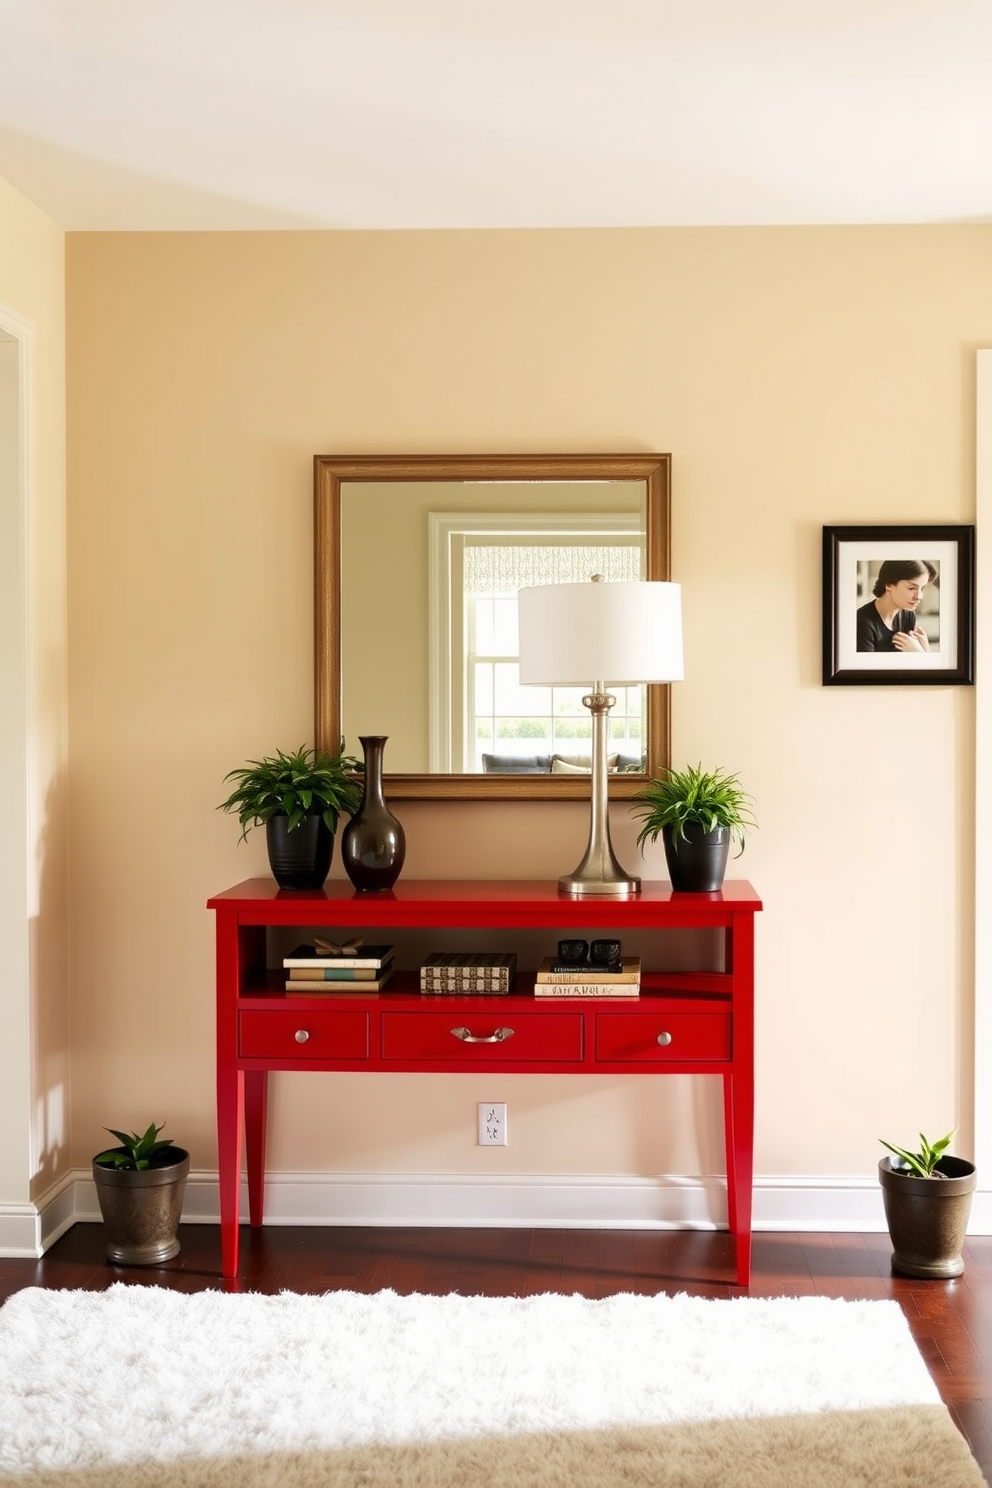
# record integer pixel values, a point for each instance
(365, 956)
(468, 971)
(334, 973)
(595, 967)
(466, 989)
(550, 971)
(337, 989)
(587, 989)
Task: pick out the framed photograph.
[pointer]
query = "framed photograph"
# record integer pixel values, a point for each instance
(898, 605)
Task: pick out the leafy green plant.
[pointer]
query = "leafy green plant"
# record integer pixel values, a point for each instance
(301, 783)
(922, 1163)
(712, 798)
(139, 1150)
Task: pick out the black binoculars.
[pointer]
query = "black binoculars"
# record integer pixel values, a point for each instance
(601, 955)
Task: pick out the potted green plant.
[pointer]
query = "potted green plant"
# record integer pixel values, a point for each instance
(697, 813)
(927, 1200)
(140, 1187)
(298, 796)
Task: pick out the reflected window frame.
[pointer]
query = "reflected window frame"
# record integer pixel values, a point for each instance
(452, 714)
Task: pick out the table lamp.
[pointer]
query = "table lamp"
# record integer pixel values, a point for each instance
(619, 634)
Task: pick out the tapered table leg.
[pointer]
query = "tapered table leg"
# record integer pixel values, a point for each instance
(230, 1112)
(729, 1149)
(739, 1118)
(256, 1105)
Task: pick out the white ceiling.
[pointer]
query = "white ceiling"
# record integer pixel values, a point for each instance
(274, 114)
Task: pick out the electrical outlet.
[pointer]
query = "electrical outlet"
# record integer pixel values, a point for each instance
(492, 1124)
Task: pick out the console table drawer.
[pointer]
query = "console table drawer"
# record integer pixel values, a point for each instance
(660, 1037)
(320, 1034)
(495, 1038)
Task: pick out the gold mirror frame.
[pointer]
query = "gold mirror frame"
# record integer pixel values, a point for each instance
(332, 471)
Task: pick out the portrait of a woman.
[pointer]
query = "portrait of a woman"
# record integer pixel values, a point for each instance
(891, 620)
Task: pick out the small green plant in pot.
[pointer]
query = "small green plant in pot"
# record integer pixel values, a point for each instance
(927, 1200)
(298, 796)
(697, 813)
(137, 1152)
(140, 1187)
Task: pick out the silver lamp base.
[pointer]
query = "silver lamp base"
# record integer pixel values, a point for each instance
(599, 872)
(619, 888)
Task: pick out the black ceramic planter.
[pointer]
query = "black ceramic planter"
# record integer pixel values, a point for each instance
(301, 858)
(927, 1218)
(697, 862)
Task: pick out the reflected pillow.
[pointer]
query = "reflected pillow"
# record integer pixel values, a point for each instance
(628, 762)
(516, 764)
(578, 764)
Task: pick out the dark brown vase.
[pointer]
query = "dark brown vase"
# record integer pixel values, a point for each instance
(301, 858)
(373, 844)
(141, 1209)
(697, 862)
(927, 1218)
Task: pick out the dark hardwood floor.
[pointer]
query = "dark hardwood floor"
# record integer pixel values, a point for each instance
(951, 1320)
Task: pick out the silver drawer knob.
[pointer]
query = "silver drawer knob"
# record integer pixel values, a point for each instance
(663, 1038)
(301, 1036)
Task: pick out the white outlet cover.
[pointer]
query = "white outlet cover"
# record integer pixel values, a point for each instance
(492, 1124)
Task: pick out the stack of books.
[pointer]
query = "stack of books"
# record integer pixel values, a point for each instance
(313, 970)
(557, 980)
(490, 973)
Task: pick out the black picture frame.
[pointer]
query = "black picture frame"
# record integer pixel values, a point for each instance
(851, 559)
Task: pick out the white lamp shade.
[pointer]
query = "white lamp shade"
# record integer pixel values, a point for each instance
(619, 634)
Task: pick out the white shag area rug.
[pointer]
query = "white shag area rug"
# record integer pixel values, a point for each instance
(141, 1387)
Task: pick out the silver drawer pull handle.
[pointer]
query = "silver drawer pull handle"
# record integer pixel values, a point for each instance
(301, 1036)
(493, 1038)
(664, 1038)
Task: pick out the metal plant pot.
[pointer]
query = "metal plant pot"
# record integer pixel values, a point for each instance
(928, 1217)
(141, 1209)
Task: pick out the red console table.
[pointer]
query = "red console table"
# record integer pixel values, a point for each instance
(682, 1023)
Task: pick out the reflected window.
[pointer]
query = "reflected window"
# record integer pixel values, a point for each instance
(482, 720)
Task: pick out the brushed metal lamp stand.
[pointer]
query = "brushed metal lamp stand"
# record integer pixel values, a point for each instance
(627, 632)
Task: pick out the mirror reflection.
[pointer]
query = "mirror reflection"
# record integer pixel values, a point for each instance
(417, 565)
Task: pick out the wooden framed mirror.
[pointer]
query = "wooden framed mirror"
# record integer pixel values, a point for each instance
(394, 539)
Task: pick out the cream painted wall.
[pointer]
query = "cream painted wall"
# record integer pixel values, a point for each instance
(799, 377)
(34, 1052)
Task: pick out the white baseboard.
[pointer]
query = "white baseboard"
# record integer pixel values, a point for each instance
(797, 1203)
(20, 1231)
(27, 1230)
